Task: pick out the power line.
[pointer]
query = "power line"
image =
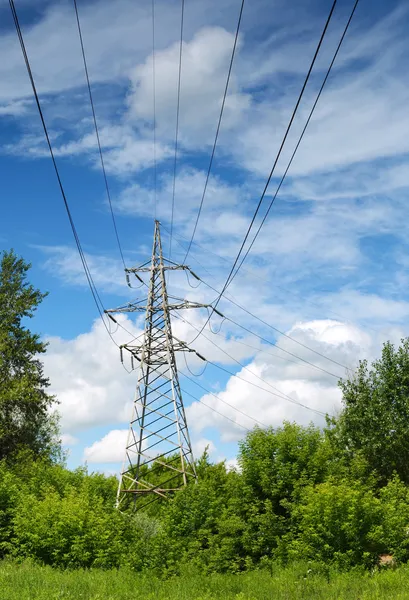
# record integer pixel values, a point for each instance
(223, 401)
(280, 394)
(218, 129)
(177, 125)
(254, 274)
(216, 411)
(90, 281)
(335, 362)
(276, 160)
(97, 133)
(154, 111)
(276, 330)
(260, 349)
(94, 291)
(298, 143)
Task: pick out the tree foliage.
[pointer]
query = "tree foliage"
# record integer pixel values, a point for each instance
(25, 421)
(375, 419)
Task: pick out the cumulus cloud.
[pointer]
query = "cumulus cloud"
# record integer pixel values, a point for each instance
(337, 233)
(88, 379)
(68, 440)
(205, 64)
(110, 449)
(285, 387)
(65, 263)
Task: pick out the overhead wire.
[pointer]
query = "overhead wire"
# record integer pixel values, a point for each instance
(261, 350)
(205, 389)
(177, 126)
(97, 132)
(217, 129)
(279, 393)
(91, 283)
(299, 141)
(274, 329)
(253, 273)
(289, 337)
(216, 411)
(155, 173)
(189, 369)
(295, 110)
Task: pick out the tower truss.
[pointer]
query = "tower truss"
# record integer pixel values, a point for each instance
(158, 456)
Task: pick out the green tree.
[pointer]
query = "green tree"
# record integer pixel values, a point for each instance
(338, 522)
(25, 421)
(276, 465)
(375, 421)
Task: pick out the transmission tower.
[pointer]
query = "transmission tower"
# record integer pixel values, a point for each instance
(158, 455)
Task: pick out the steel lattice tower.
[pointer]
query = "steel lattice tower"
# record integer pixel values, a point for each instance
(158, 457)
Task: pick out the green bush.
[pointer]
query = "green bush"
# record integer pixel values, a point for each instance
(337, 523)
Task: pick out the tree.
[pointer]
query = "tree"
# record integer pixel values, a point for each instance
(276, 466)
(25, 421)
(276, 463)
(375, 419)
(338, 522)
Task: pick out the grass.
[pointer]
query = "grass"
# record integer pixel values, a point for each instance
(32, 582)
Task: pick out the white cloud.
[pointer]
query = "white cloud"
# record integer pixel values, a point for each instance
(220, 207)
(205, 64)
(299, 382)
(68, 440)
(200, 445)
(110, 449)
(348, 183)
(88, 379)
(65, 263)
(14, 108)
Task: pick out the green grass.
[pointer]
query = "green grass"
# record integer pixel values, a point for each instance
(31, 582)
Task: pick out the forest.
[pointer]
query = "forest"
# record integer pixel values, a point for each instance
(333, 498)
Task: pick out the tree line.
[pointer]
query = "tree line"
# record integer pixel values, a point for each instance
(337, 495)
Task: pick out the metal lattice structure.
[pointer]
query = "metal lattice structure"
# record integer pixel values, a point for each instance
(158, 456)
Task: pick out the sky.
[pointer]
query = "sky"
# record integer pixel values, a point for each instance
(329, 272)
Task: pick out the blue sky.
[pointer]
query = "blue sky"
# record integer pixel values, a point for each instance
(330, 265)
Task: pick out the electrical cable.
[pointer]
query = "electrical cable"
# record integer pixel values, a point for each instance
(298, 143)
(177, 126)
(216, 411)
(260, 350)
(220, 327)
(188, 280)
(94, 291)
(276, 159)
(276, 330)
(91, 283)
(155, 174)
(254, 274)
(189, 369)
(280, 394)
(97, 133)
(224, 401)
(218, 129)
(335, 362)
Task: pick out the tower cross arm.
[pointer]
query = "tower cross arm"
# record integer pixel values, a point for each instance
(136, 307)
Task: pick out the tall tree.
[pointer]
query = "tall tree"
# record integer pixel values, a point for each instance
(25, 420)
(375, 421)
